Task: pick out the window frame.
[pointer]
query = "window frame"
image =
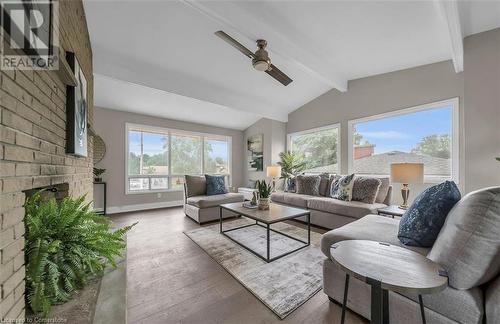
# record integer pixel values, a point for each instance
(318, 129)
(455, 133)
(168, 132)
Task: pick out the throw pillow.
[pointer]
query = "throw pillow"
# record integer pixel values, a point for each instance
(195, 185)
(365, 189)
(290, 185)
(308, 184)
(342, 188)
(383, 190)
(216, 185)
(468, 245)
(323, 184)
(421, 223)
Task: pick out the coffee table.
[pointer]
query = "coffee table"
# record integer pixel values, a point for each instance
(265, 218)
(387, 267)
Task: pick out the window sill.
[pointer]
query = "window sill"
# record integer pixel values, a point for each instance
(145, 192)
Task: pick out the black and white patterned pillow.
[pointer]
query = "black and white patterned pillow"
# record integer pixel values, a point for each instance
(342, 188)
(308, 184)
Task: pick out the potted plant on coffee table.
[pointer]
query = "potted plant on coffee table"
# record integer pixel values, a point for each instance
(264, 189)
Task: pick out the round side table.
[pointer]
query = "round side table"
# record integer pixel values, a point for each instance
(387, 267)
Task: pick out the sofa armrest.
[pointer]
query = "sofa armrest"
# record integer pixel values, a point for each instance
(492, 301)
(185, 193)
(388, 198)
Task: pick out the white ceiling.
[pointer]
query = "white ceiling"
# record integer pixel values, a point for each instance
(175, 67)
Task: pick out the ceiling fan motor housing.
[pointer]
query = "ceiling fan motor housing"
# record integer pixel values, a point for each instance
(261, 61)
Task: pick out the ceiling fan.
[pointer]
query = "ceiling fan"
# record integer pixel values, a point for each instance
(260, 59)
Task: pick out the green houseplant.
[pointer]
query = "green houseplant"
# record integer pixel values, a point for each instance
(291, 165)
(264, 189)
(66, 244)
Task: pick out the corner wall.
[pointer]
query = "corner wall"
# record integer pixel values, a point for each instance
(274, 143)
(32, 149)
(110, 125)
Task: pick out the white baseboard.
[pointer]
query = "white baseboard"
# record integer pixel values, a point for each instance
(128, 208)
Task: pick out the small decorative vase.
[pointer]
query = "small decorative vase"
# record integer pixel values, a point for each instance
(98, 179)
(264, 203)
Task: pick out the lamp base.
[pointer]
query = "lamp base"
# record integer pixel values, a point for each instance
(405, 193)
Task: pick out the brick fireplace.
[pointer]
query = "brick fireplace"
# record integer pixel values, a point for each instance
(32, 149)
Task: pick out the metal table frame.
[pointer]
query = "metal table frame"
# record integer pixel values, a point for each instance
(379, 302)
(267, 226)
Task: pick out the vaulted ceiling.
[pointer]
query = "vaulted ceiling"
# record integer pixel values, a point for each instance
(162, 58)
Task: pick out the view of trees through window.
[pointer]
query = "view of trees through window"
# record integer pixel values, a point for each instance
(422, 136)
(318, 149)
(149, 154)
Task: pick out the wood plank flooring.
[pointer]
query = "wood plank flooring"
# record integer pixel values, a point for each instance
(171, 280)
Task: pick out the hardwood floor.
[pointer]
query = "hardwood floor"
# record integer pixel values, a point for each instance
(172, 280)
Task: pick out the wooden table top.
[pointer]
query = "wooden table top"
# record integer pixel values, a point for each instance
(275, 213)
(397, 268)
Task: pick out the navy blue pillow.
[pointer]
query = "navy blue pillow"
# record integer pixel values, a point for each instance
(421, 223)
(290, 186)
(216, 185)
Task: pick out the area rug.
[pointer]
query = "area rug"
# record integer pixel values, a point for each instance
(282, 285)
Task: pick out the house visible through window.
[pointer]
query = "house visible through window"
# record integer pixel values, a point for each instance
(426, 134)
(157, 159)
(318, 147)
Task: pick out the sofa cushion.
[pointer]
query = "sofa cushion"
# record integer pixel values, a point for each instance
(371, 227)
(195, 185)
(215, 200)
(356, 209)
(462, 306)
(290, 198)
(468, 246)
(308, 184)
(365, 189)
(383, 190)
(324, 184)
(421, 223)
(342, 188)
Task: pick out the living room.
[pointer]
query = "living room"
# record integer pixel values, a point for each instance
(356, 180)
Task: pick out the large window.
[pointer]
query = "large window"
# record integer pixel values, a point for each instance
(319, 147)
(157, 159)
(426, 134)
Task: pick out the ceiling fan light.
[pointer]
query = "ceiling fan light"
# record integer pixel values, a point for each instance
(261, 65)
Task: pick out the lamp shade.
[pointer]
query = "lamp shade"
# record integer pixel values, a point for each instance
(273, 171)
(407, 172)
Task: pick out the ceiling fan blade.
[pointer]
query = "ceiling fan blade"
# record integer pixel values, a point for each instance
(233, 42)
(279, 75)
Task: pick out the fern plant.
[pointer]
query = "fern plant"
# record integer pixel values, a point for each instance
(66, 244)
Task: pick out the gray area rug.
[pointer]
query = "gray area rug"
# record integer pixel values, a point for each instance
(282, 285)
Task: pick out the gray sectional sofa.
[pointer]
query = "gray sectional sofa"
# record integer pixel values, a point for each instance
(202, 208)
(468, 247)
(332, 213)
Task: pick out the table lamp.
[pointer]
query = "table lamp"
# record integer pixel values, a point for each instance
(273, 171)
(407, 173)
